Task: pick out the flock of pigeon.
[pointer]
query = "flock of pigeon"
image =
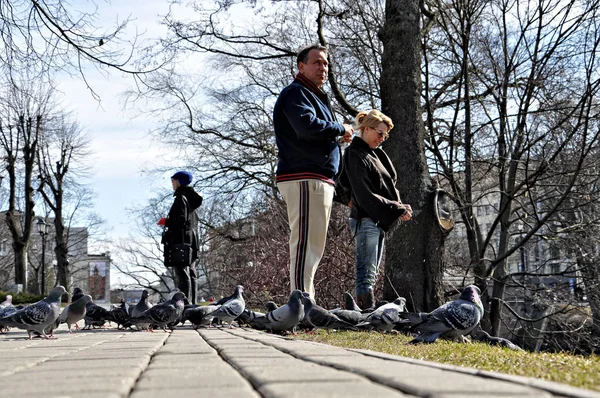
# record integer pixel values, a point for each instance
(455, 319)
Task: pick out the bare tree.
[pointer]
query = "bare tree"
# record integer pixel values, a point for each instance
(24, 113)
(56, 35)
(61, 158)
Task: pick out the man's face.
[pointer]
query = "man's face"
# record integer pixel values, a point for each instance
(316, 67)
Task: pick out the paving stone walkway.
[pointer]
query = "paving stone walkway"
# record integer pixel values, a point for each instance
(235, 363)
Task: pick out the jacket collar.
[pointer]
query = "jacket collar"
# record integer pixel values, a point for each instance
(300, 78)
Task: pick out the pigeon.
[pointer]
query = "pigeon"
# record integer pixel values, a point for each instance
(36, 317)
(249, 317)
(121, 316)
(349, 302)
(74, 312)
(483, 336)
(162, 314)
(96, 316)
(4, 312)
(350, 316)
(225, 299)
(454, 319)
(142, 306)
(271, 306)
(77, 294)
(199, 316)
(384, 321)
(7, 302)
(319, 318)
(285, 318)
(232, 308)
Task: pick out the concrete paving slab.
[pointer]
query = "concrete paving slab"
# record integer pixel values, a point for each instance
(236, 363)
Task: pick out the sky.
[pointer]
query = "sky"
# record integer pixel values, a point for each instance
(120, 143)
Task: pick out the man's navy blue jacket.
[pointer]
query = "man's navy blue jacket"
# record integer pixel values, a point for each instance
(306, 133)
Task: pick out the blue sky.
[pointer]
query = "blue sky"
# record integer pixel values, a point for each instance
(121, 144)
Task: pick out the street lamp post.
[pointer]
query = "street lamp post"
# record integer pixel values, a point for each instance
(42, 228)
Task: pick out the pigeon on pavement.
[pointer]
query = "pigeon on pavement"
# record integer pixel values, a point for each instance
(96, 315)
(285, 318)
(483, 336)
(7, 302)
(142, 306)
(249, 317)
(4, 312)
(36, 317)
(162, 314)
(199, 316)
(454, 319)
(74, 312)
(232, 308)
(350, 303)
(121, 316)
(320, 318)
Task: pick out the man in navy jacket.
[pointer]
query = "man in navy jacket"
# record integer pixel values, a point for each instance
(307, 139)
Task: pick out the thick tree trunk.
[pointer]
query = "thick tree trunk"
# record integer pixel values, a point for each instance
(414, 249)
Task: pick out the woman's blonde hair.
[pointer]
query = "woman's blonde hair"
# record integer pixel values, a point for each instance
(371, 119)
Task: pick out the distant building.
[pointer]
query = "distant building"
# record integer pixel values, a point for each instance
(98, 274)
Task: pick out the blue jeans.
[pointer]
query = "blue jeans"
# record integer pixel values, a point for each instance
(369, 249)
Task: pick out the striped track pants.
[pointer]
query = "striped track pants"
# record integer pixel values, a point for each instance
(309, 208)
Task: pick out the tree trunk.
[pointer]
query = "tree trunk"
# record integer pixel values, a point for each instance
(414, 249)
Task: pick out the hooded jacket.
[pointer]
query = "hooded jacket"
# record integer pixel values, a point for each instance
(182, 221)
(372, 177)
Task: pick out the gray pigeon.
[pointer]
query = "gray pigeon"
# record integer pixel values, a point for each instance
(250, 317)
(349, 302)
(285, 318)
(350, 316)
(7, 302)
(232, 308)
(36, 317)
(385, 317)
(4, 312)
(162, 314)
(454, 319)
(384, 321)
(199, 316)
(483, 336)
(142, 306)
(319, 318)
(74, 312)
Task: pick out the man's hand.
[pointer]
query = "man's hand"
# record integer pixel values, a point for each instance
(348, 134)
(407, 214)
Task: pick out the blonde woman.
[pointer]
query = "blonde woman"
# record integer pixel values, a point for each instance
(376, 203)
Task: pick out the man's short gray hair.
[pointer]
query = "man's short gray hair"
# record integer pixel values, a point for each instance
(303, 52)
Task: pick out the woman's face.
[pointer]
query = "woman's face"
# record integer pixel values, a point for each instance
(175, 183)
(375, 136)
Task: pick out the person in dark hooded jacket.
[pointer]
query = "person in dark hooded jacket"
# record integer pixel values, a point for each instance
(181, 226)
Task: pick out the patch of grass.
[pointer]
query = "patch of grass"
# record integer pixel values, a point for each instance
(577, 371)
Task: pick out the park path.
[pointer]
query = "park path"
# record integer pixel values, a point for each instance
(235, 363)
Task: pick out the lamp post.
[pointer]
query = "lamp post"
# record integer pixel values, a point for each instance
(42, 228)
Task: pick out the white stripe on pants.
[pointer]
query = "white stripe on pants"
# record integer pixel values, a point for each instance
(309, 208)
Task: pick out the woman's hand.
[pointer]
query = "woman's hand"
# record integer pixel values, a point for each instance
(407, 212)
